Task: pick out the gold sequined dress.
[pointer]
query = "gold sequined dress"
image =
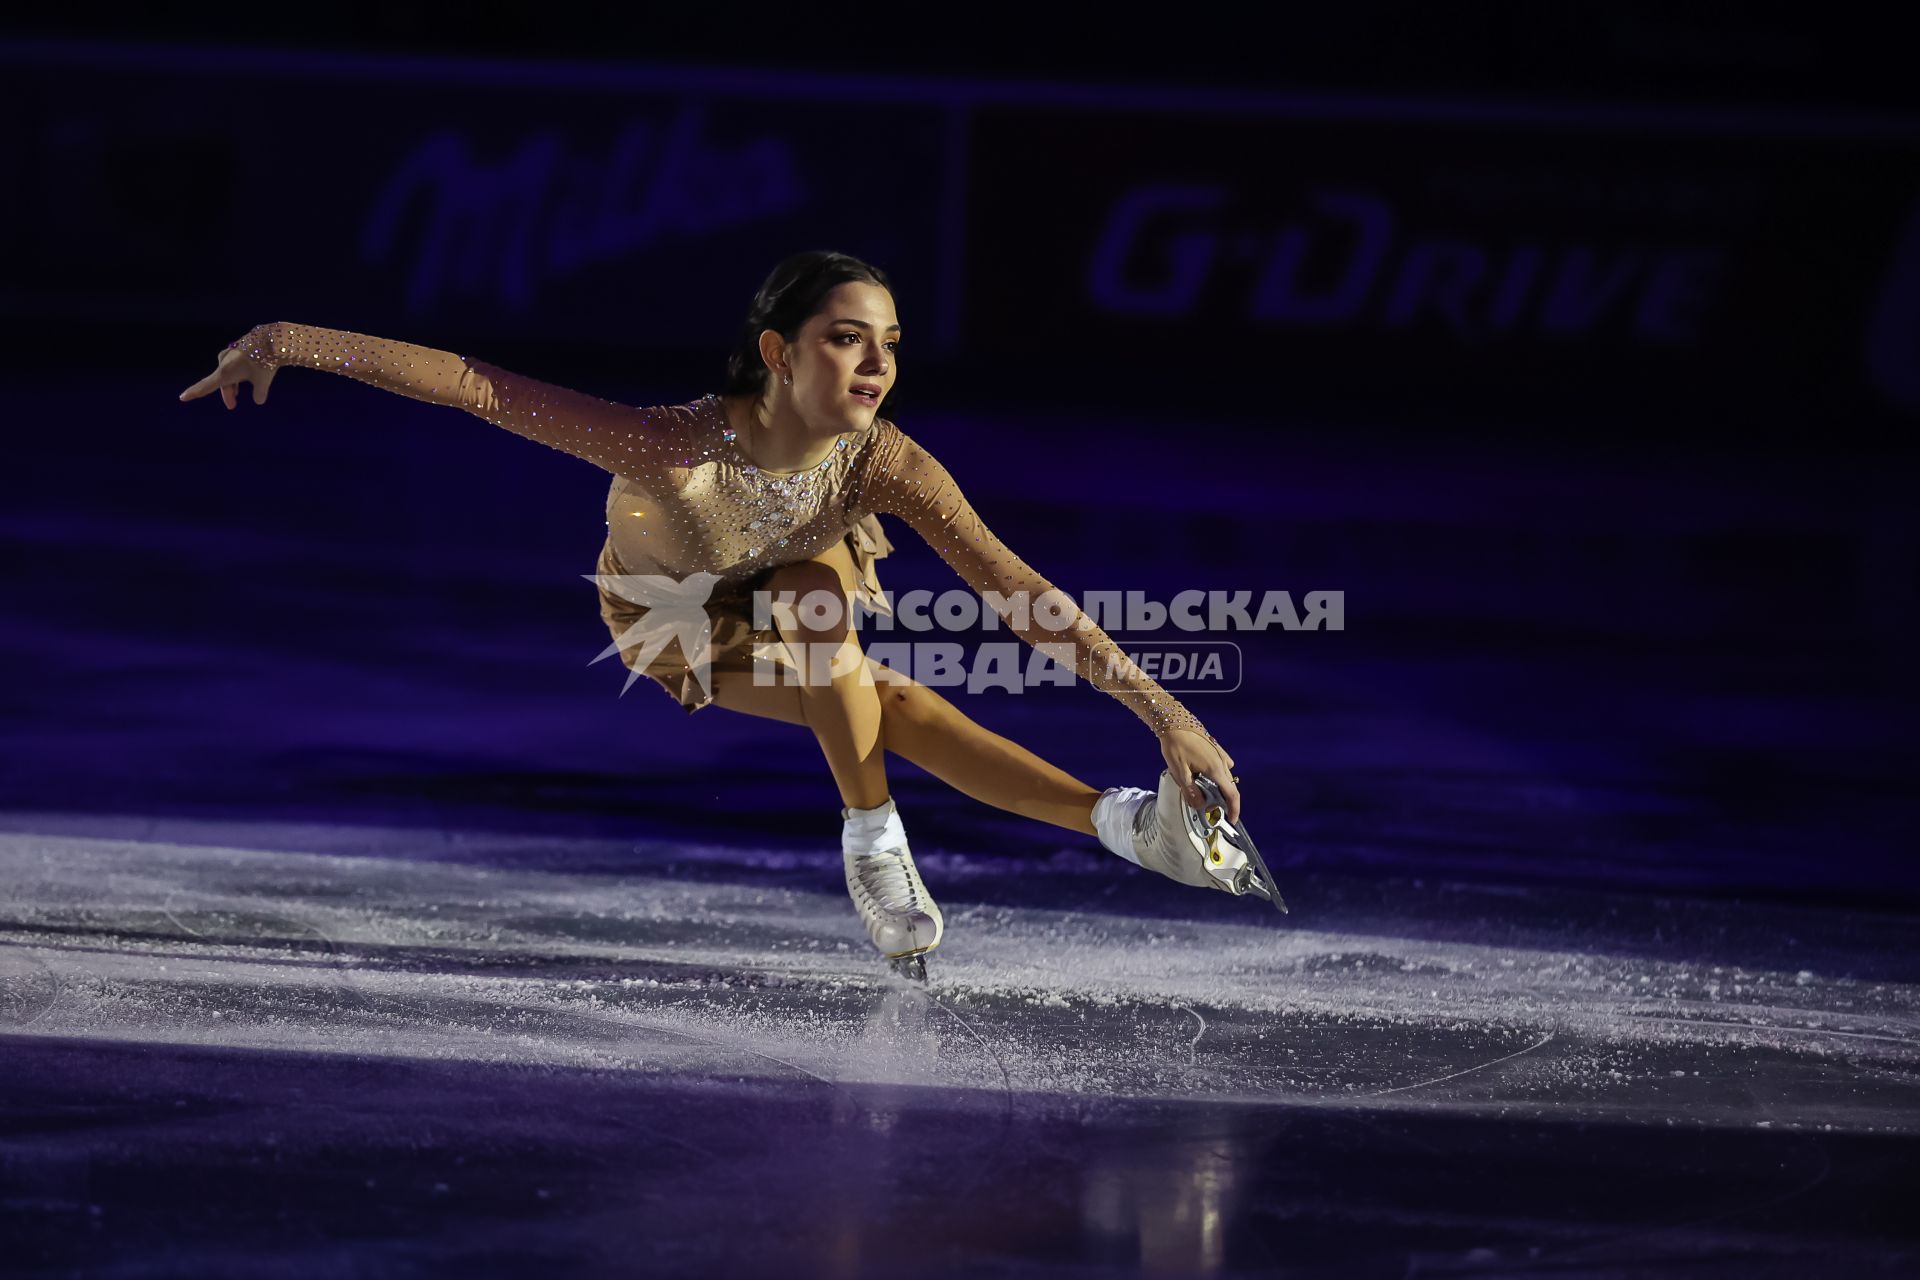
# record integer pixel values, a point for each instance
(686, 500)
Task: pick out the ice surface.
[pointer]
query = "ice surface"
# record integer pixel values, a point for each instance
(718, 961)
(251, 1049)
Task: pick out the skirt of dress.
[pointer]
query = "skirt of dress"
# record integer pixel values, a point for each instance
(736, 643)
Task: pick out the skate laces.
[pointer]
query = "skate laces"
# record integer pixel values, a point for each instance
(888, 878)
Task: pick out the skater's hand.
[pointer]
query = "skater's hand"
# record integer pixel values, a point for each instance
(234, 368)
(1188, 753)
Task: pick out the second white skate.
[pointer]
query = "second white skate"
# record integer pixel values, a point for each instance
(901, 917)
(1200, 848)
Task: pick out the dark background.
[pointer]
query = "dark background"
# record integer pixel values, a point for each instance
(1721, 199)
(1574, 344)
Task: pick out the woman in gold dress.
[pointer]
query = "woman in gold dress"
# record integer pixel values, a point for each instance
(775, 485)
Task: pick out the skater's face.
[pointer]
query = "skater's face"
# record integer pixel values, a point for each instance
(851, 341)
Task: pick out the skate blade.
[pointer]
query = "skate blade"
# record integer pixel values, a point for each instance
(911, 967)
(1252, 878)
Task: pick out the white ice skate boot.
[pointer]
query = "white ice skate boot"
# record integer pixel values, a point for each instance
(1162, 832)
(899, 913)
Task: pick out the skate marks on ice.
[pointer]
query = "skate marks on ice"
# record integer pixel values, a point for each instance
(469, 1064)
(204, 944)
(28, 988)
(171, 943)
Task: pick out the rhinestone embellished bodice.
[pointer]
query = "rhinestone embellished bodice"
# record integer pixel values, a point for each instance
(713, 509)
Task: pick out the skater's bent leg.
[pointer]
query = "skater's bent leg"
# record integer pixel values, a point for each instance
(922, 727)
(739, 691)
(868, 710)
(925, 728)
(836, 693)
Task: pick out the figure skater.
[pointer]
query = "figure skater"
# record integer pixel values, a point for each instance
(775, 485)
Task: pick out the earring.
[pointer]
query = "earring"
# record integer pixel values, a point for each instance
(787, 381)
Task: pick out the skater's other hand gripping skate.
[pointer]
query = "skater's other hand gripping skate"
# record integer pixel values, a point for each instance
(1188, 753)
(233, 368)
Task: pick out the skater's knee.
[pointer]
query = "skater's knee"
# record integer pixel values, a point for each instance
(805, 576)
(809, 599)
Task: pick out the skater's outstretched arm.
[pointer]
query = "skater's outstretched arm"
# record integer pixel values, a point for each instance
(614, 437)
(899, 477)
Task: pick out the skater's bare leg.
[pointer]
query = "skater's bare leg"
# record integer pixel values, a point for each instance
(921, 726)
(836, 696)
(924, 727)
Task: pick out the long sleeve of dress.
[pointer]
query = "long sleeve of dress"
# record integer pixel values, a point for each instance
(614, 437)
(904, 480)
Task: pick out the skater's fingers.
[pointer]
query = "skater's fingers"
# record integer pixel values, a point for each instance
(1187, 752)
(1183, 779)
(209, 384)
(1223, 779)
(1231, 794)
(1229, 787)
(232, 367)
(201, 387)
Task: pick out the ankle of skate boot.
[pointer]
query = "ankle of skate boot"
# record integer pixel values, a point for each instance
(858, 839)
